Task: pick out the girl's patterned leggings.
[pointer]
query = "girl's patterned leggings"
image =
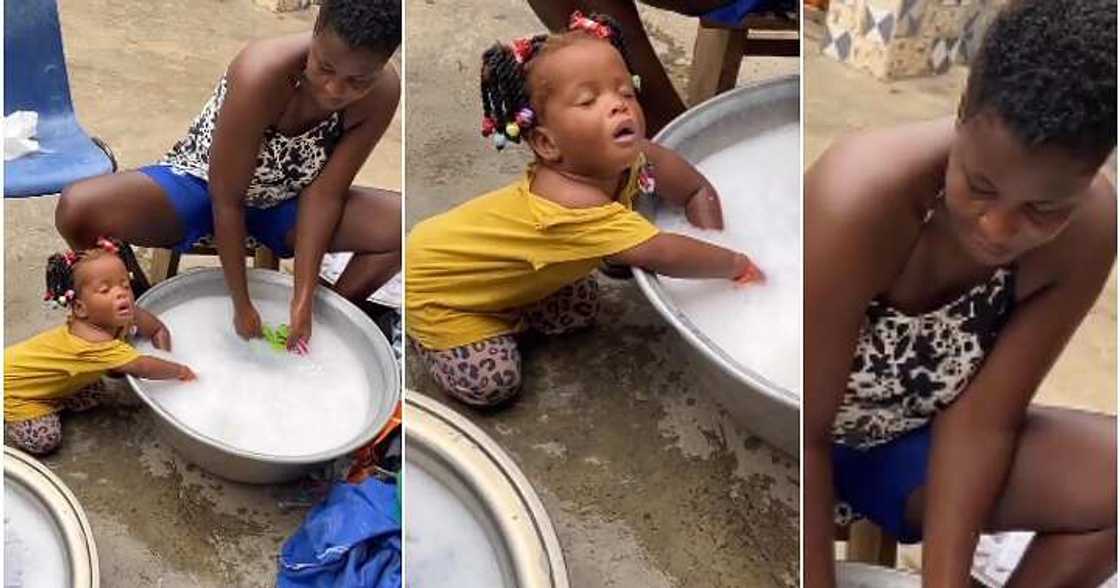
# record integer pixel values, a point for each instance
(488, 372)
(42, 435)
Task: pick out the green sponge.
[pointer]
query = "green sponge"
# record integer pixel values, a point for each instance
(277, 337)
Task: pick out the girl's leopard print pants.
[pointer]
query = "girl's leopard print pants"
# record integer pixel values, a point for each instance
(488, 372)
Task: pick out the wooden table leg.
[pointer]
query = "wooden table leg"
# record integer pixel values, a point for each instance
(715, 62)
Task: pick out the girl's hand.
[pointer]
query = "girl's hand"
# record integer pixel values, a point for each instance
(299, 332)
(161, 337)
(747, 272)
(185, 374)
(703, 209)
(247, 322)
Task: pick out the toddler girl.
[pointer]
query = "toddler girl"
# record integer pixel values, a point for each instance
(61, 368)
(521, 257)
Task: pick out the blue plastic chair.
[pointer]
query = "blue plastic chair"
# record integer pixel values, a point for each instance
(35, 79)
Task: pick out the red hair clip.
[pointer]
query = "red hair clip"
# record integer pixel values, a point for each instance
(522, 49)
(579, 22)
(107, 245)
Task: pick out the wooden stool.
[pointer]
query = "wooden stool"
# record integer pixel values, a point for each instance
(867, 543)
(719, 49)
(165, 262)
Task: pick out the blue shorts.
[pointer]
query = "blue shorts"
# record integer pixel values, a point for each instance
(877, 482)
(190, 196)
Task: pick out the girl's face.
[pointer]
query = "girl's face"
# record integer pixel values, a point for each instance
(1004, 198)
(337, 74)
(104, 294)
(589, 118)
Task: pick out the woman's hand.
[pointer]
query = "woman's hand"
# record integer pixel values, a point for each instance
(703, 209)
(247, 322)
(299, 332)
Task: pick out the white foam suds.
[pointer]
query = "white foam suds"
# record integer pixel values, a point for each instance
(758, 325)
(34, 552)
(445, 545)
(256, 398)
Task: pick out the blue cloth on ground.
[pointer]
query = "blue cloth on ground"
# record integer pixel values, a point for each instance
(733, 13)
(350, 540)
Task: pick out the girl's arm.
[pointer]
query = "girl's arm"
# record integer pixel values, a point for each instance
(679, 256)
(680, 183)
(322, 201)
(974, 439)
(154, 368)
(150, 327)
(252, 101)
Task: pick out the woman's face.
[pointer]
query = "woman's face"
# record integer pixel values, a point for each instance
(589, 109)
(337, 74)
(1005, 198)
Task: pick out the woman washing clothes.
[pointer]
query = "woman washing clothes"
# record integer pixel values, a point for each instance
(273, 157)
(947, 264)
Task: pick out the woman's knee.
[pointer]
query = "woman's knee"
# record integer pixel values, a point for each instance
(74, 217)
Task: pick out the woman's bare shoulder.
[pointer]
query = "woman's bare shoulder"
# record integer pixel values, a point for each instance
(867, 195)
(891, 171)
(267, 64)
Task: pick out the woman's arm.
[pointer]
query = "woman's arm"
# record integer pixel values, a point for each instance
(322, 201)
(974, 439)
(682, 184)
(252, 102)
(850, 229)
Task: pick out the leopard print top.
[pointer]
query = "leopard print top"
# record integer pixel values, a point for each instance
(286, 164)
(908, 367)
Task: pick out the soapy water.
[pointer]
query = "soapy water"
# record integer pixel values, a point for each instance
(35, 555)
(445, 545)
(759, 325)
(256, 398)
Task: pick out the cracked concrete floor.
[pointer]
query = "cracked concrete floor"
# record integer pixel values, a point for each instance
(140, 71)
(647, 481)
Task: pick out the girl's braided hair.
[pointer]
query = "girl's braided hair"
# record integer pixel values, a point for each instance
(507, 110)
(62, 291)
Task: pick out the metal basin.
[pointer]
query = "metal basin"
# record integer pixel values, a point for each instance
(859, 575)
(30, 482)
(335, 313)
(490, 485)
(758, 404)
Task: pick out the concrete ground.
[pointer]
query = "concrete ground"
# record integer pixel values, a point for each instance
(839, 99)
(140, 71)
(647, 481)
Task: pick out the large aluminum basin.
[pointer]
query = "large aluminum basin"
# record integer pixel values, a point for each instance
(758, 404)
(335, 313)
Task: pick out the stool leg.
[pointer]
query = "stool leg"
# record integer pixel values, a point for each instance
(868, 543)
(165, 264)
(708, 57)
(264, 258)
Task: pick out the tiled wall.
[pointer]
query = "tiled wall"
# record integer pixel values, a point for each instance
(905, 38)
